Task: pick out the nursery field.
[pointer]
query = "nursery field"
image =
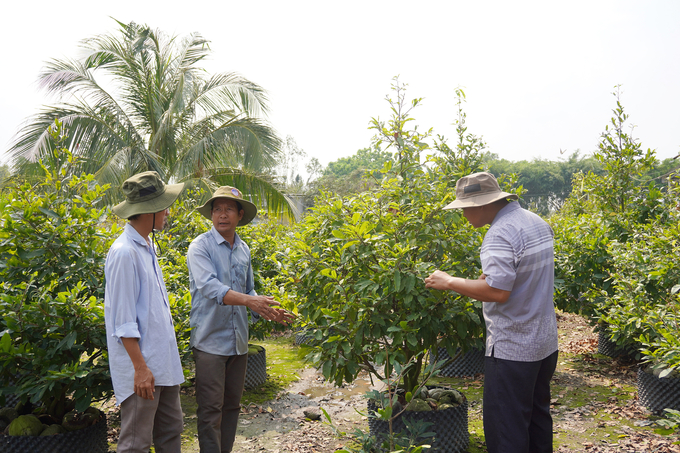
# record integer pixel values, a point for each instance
(594, 404)
(353, 269)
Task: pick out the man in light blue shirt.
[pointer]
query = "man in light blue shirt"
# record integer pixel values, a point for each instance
(145, 366)
(222, 289)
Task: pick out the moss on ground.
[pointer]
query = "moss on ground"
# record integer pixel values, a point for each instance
(282, 357)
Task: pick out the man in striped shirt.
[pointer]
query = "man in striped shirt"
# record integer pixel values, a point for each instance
(521, 330)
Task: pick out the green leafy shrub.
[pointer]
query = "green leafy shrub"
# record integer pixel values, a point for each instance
(582, 262)
(617, 249)
(644, 272)
(269, 245)
(645, 306)
(357, 264)
(602, 209)
(53, 243)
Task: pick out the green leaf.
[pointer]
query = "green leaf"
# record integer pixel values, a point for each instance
(462, 329)
(6, 343)
(412, 340)
(326, 369)
(349, 244)
(410, 283)
(665, 372)
(69, 340)
(49, 212)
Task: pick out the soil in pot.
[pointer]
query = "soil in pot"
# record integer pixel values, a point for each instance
(450, 425)
(92, 439)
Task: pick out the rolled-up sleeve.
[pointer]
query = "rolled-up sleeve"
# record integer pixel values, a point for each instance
(204, 273)
(123, 287)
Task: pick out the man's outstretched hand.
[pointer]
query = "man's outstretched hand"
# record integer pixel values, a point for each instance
(264, 306)
(284, 317)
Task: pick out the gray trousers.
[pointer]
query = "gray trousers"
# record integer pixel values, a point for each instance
(160, 420)
(219, 386)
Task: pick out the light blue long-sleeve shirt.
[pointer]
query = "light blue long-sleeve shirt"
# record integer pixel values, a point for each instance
(214, 269)
(136, 306)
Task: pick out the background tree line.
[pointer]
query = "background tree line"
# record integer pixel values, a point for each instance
(546, 183)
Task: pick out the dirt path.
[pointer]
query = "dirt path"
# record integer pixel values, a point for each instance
(595, 407)
(282, 426)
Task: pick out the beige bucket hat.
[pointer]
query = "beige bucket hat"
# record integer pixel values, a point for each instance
(478, 189)
(145, 193)
(233, 194)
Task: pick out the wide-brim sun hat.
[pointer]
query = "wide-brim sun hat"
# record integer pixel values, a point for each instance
(146, 193)
(232, 193)
(478, 189)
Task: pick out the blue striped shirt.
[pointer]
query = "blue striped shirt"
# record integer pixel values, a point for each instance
(517, 256)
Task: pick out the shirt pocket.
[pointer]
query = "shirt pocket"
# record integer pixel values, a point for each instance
(239, 265)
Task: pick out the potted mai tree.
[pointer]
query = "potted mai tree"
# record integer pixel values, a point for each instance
(52, 334)
(358, 266)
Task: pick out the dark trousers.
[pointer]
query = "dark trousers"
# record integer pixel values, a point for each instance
(517, 405)
(219, 386)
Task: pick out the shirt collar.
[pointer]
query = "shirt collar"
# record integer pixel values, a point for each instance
(135, 236)
(507, 209)
(219, 239)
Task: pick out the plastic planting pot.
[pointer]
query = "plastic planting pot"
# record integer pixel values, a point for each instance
(657, 394)
(468, 364)
(606, 346)
(256, 370)
(450, 427)
(304, 337)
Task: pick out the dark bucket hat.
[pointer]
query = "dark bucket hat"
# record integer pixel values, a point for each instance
(145, 193)
(232, 193)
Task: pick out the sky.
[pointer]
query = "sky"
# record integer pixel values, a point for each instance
(538, 75)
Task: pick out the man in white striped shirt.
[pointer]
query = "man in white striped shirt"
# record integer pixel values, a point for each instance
(517, 287)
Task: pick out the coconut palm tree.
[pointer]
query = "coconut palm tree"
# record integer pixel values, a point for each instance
(137, 100)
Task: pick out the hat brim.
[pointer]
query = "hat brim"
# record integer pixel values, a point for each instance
(125, 210)
(481, 200)
(250, 210)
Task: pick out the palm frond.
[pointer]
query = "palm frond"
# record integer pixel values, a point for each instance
(156, 110)
(259, 189)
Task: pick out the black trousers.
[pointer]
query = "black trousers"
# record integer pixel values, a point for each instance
(517, 405)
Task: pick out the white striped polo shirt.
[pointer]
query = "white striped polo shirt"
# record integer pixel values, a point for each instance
(517, 256)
